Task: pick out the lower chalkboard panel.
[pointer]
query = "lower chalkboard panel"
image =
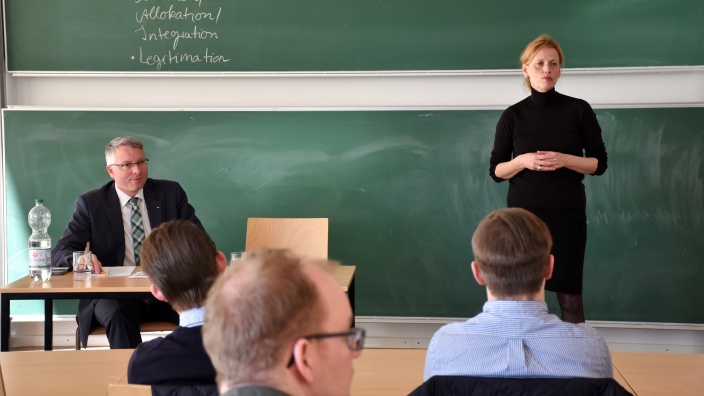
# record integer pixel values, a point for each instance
(403, 190)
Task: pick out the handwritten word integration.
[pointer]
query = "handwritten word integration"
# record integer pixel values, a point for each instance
(175, 35)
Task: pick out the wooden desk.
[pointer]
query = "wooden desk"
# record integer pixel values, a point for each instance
(388, 372)
(377, 372)
(65, 288)
(399, 371)
(58, 373)
(661, 373)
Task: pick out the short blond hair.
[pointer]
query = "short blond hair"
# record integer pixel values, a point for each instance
(512, 249)
(255, 310)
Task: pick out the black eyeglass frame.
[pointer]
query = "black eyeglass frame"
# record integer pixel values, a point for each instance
(129, 165)
(355, 340)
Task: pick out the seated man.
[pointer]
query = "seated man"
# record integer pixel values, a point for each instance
(515, 336)
(181, 262)
(279, 325)
(114, 219)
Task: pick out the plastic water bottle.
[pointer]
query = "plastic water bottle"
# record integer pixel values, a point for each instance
(39, 219)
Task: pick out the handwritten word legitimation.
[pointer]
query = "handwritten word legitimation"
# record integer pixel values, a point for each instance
(175, 35)
(180, 57)
(157, 14)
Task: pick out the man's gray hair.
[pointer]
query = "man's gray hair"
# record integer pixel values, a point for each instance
(120, 141)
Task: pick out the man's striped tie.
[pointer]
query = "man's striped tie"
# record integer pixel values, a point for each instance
(137, 228)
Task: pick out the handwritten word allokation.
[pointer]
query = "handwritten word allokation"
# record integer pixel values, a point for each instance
(157, 14)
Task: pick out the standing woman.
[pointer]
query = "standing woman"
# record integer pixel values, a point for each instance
(544, 145)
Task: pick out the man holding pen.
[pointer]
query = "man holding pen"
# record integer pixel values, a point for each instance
(115, 219)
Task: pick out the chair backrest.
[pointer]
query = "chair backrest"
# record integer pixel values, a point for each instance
(305, 237)
(467, 386)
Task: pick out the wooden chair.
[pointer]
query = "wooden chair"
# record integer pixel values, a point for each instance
(305, 237)
(145, 327)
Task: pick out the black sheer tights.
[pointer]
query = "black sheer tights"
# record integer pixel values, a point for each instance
(571, 307)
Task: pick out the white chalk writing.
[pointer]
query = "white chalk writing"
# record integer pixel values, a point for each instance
(159, 60)
(173, 23)
(175, 35)
(156, 13)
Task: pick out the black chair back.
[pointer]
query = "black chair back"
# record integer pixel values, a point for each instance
(470, 386)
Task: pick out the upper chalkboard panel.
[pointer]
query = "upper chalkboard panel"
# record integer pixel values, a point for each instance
(360, 35)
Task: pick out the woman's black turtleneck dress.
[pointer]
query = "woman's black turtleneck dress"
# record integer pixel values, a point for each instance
(551, 121)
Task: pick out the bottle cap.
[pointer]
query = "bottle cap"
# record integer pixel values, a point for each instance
(38, 201)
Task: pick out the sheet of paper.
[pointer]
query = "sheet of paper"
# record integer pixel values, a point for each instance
(118, 271)
(139, 274)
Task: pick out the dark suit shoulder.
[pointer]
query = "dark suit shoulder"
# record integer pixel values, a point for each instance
(160, 186)
(100, 192)
(100, 199)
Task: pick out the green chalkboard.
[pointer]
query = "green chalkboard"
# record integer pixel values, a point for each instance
(360, 35)
(403, 190)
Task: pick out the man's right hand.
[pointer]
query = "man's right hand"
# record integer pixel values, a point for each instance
(97, 265)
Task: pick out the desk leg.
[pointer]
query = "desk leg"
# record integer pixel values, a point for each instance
(350, 295)
(4, 322)
(48, 324)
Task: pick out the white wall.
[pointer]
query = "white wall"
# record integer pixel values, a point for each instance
(617, 87)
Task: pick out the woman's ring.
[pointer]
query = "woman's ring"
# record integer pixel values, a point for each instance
(540, 167)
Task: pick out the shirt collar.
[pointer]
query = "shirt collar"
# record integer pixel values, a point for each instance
(124, 198)
(523, 308)
(192, 317)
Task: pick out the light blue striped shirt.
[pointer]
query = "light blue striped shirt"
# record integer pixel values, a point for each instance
(518, 339)
(192, 317)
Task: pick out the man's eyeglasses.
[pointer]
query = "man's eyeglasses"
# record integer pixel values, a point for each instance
(355, 340)
(129, 165)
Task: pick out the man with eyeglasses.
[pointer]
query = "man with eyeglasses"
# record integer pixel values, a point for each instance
(278, 325)
(112, 221)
